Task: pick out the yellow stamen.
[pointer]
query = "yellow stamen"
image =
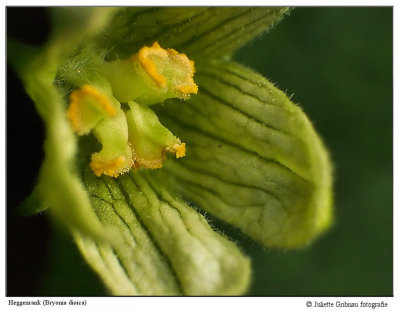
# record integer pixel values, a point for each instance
(149, 66)
(114, 167)
(79, 99)
(184, 85)
(180, 150)
(74, 117)
(187, 89)
(148, 163)
(90, 91)
(189, 85)
(172, 51)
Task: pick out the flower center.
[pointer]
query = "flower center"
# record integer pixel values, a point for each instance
(131, 137)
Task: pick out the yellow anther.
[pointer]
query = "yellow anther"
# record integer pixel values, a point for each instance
(74, 118)
(114, 167)
(172, 51)
(101, 99)
(159, 63)
(154, 163)
(148, 64)
(148, 163)
(187, 89)
(79, 111)
(189, 85)
(180, 150)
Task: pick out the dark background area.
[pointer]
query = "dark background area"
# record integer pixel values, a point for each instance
(337, 63)
(41, 259)
(27, 238)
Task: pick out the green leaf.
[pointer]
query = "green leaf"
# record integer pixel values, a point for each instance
(167, 247)
(253, 157)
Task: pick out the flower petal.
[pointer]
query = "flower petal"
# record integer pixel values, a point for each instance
(253, 158)
(167, 247)
(197, 31)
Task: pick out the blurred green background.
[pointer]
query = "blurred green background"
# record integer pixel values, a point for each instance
(337, 63)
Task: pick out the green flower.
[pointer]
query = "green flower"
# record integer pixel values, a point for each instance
(105, 86)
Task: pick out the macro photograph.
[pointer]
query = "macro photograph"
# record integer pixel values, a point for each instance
(199, 151)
